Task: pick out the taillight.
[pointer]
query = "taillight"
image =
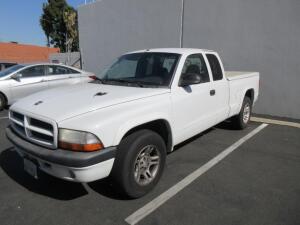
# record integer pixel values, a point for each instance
(93, 77)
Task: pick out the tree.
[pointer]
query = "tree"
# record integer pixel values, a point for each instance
(70, 19)
(59, 23)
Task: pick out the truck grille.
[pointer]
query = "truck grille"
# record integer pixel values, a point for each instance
(37, 130)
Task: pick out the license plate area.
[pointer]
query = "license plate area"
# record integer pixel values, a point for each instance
(30, 166)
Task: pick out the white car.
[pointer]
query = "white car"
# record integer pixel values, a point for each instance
(21, 80)
(123, 124)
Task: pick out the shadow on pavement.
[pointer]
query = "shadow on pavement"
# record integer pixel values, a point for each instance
(105, 187)
(12, 165)
(226, 125)
(190, 140)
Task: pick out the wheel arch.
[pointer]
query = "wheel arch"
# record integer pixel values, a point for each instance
(160, 126)
(4, 95)
(250, 93)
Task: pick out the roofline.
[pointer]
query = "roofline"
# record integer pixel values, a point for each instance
(173, 50)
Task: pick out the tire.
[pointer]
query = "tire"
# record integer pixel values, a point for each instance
(131, 163)
(241, 120)
(2, 102)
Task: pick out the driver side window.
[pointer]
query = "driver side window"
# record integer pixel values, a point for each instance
(195, 64)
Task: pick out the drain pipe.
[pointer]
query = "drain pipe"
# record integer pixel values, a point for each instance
(181, 23)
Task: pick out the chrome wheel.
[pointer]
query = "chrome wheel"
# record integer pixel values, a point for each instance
(147, 165)
(246, 113)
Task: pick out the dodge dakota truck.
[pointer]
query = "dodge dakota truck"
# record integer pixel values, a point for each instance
(123, 124)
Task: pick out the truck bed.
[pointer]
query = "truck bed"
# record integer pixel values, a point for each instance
(234, 75)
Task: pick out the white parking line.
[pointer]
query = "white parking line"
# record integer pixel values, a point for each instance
(5, 117)
(277, 122)
(161, 199)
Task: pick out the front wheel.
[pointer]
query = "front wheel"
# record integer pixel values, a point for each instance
(241, 120)
(139, 163)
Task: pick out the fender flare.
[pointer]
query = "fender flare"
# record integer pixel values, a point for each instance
(131, 124)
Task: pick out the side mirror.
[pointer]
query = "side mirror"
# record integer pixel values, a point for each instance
(189, 79)
(16, 76)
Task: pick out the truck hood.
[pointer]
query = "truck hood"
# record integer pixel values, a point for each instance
(66, 102)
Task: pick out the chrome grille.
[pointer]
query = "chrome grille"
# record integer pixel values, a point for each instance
(38, 130)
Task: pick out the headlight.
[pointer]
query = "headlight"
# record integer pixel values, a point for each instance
(78, 141)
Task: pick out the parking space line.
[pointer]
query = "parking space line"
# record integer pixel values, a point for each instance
(165, 196)
(277, 122)
(5, 117)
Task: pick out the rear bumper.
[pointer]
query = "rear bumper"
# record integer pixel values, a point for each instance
(68, 165)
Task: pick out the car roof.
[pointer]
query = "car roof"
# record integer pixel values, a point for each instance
(42, 63)
(174, 50)
(48, 64)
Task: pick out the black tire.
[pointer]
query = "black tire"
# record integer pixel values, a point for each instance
(125, 166)
(239, 122)
(2, 102)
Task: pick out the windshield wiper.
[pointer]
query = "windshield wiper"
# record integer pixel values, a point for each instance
(101, 81)
(138, 83)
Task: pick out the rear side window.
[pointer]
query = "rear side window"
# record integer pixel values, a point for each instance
(34, 71)
(60, 70)
(71, 71)
(215, 67)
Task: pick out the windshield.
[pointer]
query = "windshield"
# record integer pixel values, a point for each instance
(142, 69)
(10, 70)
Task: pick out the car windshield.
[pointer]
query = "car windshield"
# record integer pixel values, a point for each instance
(10, 70)
(151, 69)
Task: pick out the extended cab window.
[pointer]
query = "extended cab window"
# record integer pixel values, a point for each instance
(195, 64)
(34, 71)
(215, 67)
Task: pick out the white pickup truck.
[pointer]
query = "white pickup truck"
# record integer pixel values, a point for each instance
(124, 123)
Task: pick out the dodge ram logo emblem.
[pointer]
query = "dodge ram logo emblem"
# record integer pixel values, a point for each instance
(39, 102)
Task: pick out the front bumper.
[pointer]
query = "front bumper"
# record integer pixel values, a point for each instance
(68, 165)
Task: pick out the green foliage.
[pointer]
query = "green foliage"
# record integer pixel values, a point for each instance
(59, 22)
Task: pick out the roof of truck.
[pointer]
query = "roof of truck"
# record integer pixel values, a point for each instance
(174, 50)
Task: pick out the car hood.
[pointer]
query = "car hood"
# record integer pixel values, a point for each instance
(66, 102)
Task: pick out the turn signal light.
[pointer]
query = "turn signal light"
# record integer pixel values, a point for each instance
(81, 147)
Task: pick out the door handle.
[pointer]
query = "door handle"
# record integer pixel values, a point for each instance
(212, 92)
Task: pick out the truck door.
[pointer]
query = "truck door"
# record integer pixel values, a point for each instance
(220, 88)
(192, 105)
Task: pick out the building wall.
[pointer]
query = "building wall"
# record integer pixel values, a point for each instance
(256, 35)
(68, 58)
(111, 27)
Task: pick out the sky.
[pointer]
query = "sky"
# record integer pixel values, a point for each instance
(19, 20)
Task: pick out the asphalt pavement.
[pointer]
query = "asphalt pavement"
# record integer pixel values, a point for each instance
(257, 183)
